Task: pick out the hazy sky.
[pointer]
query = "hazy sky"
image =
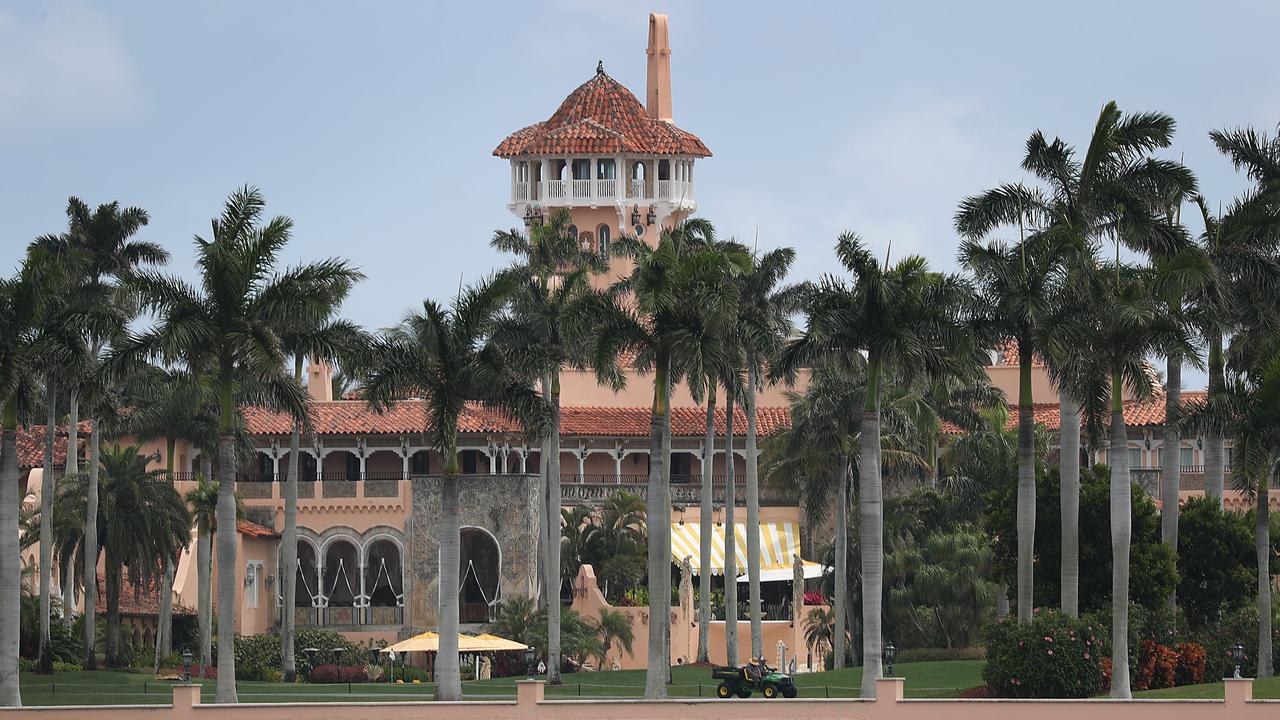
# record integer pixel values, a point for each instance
(372, 124)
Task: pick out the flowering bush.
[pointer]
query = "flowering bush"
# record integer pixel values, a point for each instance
(814, 597)
(1192, 662)
(1157, 667)
(1053, 656)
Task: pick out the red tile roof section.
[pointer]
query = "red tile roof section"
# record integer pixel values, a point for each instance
(31, 445)
(254, 530)
(137, 600)
(352, 417)
(601, 117)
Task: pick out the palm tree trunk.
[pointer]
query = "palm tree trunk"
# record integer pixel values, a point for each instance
(289, 547)
(113, 570)
(1214, 456)
(706, 518)
(1262, 544)
(1170, 473)
(1069, 496)
(91, 549)
(841, 578)
(658, 513)
(1121, 528)
(730, 538)
(204, 575)
(1026, 520)
(10, 562)
(544, 513)
(46, 525)
(164, 621)
(871, 530)
(666, 532)
(753, 517)
(553, 537)
(448, 677)
(227, 551)
(72, 468)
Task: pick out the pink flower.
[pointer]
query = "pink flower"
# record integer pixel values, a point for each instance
(1086, 656)
(1019, 643)
(1048, 638)
(1050, 652)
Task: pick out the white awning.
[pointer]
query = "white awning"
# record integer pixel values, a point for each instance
(779, 544)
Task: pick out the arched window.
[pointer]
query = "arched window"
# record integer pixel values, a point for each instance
(572, 230)
(602, 239)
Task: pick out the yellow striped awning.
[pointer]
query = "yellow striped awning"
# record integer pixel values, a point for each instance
(779, 543)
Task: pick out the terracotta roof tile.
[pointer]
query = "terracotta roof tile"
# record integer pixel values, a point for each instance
(137, 600)
(601, 117)
(253, 529)
(31, 445)
(352, 417)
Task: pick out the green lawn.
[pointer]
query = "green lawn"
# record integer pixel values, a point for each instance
(1266, 688)
(924, 680)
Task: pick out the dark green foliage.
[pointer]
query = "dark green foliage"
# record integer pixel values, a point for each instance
(1215, 561)
(1153, 568)
(258, 656)
(612, 541)
(1053, 656)
(938, 591)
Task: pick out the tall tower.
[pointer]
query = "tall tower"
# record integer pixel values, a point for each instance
(619, 166)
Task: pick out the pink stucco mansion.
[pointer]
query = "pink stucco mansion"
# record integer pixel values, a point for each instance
(366, 544)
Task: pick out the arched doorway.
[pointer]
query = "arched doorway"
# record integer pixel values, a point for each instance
(341, 581)
(306, 586)
(384, 582)
(481, 563)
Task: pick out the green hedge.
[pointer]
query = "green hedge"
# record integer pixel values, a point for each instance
(1053, 656)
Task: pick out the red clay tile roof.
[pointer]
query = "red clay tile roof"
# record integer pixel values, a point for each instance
(601, 117)
(137, 600)
(253, 529)
(1137, 413)
(352, 417)
(31, 445)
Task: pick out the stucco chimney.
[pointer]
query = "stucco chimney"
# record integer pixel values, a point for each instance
(319, 380)
(658, 92)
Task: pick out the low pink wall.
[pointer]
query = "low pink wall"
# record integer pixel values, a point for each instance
(530, 704)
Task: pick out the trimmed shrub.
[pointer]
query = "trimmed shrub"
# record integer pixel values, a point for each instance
(1192, 662)
(1157, 667)
(1053, 656)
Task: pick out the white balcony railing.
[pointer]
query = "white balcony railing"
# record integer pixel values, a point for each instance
(560, 192)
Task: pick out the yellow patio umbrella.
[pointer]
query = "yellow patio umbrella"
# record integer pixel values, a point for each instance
(430, 642)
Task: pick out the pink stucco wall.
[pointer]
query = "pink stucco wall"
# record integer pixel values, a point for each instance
(531, 704)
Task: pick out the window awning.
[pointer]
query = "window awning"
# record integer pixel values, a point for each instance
(779, 543)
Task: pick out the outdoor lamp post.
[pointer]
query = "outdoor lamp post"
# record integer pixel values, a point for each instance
(392, 656)
(311, 660)
(528, 661)
(650, 217)
(890, 654)
(1236, 654)
(186, 665)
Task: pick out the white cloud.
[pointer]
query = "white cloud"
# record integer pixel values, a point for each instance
(66, 67)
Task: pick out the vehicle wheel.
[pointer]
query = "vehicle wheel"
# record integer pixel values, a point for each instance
(770, 691)
(723, 691)
(790, 691)
(744, 693)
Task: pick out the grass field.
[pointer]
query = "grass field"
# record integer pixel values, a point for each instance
(924, 680)
(1266, 688)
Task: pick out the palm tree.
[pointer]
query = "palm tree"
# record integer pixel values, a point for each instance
(908, 320)
(615, 629)
(1114, 187)
(325, 340)
(1137, 323)
(819, 631)
(172, 405)
(228, 326)
(203, 501)
(448, 357)
(1017, 283)
(145, 524)
(679, 295)
(23, 303)
(103, 246)
(1247, 409)
(554, 311)
(764, 324)
(1241, 243)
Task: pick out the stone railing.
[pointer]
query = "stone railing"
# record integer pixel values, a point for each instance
(594, 494)
(531, 703)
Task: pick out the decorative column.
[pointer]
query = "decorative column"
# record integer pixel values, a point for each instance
(362, 602)
(524, 458)
(360, 453)
(404, 455)
(582, 463)
(492, 452)
(275, 459)
(618, 454)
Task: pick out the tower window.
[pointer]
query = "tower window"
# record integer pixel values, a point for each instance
(604, 169)
(602, 237)
(581, 169)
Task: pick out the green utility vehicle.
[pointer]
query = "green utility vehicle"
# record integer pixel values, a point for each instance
(753, 677)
